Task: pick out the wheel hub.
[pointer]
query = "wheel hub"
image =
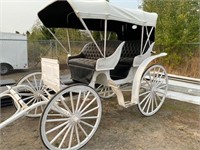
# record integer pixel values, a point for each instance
(75, 118)
(37, 95)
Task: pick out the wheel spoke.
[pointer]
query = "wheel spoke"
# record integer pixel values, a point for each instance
(57, 120)
(87, 124)
(88, 105)
(24, 99)
(144, 99)
(71, 136)
(91, 117)
(89, 111)
(30, 84)
(156, 100)
(35, 80)
(40, 85)
(36, 110)
(59, 133)
(33, 99)
(79, 97)
(162, 86)
(158, 97)
(152, 103)
(72, 101)
(25, 94)
(77, 134)
(64, 104)
(80, 126)
(149, 104)
(57, 127)
(99, 87)
(84, 101)
(144, 93)
(146, 103)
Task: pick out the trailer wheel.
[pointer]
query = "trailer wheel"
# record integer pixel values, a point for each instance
(153, 90)
(71, 118)
(5, 68)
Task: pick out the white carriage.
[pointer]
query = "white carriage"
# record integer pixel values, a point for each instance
(71, 113)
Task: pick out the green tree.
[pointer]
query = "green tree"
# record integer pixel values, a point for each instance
(178, 20)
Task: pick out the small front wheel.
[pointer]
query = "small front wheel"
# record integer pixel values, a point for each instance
(71, 118)
(153, 90)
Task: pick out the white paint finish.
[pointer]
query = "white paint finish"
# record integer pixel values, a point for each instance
(138, 75)
(109, 63)
(51, 73)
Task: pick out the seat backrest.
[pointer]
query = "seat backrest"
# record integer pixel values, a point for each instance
(130, 50)
(90, 50)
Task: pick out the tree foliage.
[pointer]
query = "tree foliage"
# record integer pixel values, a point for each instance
(178, 20)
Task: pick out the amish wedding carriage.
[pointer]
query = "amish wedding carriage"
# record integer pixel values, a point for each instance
(71, 112)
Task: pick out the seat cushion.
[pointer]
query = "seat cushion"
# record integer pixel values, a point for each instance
(83, 62)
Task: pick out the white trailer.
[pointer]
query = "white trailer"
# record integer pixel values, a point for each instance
(13, 52)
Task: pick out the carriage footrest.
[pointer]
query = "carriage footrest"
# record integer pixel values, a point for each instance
(128, 104)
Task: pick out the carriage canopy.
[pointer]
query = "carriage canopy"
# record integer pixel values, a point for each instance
(125, 22)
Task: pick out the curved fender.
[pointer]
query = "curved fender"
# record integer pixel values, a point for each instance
(138, 76)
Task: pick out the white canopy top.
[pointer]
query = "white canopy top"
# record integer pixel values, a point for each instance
(101, 9)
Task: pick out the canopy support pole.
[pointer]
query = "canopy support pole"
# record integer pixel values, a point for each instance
(148, 36)
(58, 40)
(105, 37)
(68, 41)
(85, 26)
(142, 38)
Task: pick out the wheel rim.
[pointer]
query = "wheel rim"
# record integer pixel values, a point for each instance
(34, 81)
(104, 91)
(71, 118)
(153, 89)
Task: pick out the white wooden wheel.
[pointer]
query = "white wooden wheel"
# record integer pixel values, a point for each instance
(153, 89)
(71, 118)
(104, 91)
(34, 81)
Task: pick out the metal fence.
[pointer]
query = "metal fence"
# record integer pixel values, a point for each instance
(51, 49)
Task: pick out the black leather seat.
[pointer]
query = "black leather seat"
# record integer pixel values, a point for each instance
(130, 50)
(83, 65)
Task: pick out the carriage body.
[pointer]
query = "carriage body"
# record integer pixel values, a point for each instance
(102, 69)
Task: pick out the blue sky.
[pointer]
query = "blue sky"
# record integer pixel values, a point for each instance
(20, 15)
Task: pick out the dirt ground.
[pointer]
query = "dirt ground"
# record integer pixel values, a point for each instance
(175, 127)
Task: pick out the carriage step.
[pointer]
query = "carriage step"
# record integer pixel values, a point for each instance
(128, 104)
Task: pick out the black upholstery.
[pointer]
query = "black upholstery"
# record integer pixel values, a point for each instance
(83, 65)
(130, 50)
